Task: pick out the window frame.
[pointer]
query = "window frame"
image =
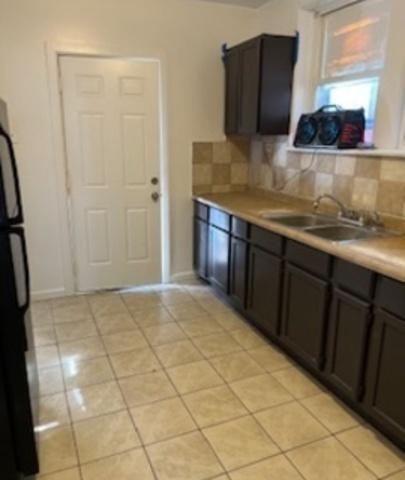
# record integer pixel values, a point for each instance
(390, 104)
(344, 78)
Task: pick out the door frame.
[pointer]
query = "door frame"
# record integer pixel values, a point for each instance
(53, 52)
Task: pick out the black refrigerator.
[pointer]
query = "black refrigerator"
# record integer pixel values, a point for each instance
(18, 370)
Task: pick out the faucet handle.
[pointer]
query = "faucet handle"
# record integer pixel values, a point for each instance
(373, 218)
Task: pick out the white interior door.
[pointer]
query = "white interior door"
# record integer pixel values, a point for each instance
(111, 110)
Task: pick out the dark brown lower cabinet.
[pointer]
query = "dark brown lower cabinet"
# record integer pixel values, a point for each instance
(348, 334)
(264, 290)
(237, 272)
(305, 315)
(201, 248)
(299, 296)
(385, 396)
(218, 262)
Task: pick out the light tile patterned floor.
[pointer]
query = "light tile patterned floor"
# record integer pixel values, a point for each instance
(168, 383)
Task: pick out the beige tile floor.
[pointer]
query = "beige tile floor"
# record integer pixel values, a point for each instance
(168, 383)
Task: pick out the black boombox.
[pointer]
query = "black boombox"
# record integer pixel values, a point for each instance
(331, 127)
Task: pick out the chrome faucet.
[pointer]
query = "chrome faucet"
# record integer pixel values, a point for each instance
(355, 217)
(343, 211)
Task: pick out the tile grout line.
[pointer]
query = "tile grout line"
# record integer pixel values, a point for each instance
(299, 400)
(208, 359)
(144, 446)
(192, 417)
(127, 406)
(248, 415)
(70, 413)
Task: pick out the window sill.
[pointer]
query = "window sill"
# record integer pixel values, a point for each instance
(350, 153)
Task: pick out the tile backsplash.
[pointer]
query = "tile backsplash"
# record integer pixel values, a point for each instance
(221, 166)
(368, 183)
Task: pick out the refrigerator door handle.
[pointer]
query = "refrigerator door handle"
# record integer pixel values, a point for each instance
(18, 216)
(25, 306)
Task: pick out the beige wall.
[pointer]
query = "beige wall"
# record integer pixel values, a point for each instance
(186, 34)
(278, 17)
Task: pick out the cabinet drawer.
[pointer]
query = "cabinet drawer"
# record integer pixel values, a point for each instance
(201, 211)
(354, 279)
(220, 219)
(267, 240)
(308, 258)
(391, 296)
(239, 228)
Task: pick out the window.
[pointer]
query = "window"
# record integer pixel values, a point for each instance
(352, 95)
(353, 58)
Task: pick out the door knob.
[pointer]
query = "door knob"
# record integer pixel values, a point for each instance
(155, 196)
(154, 180)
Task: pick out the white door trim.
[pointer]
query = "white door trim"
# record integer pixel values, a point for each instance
(52, 53)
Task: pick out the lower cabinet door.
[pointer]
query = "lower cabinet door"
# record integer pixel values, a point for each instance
(264, 290)
(219, 249)
(385, 389)
(305, 312)
(201, 248)
(348, 336)
(237, 271)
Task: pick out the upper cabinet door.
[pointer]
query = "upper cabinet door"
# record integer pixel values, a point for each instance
(277, 73)
(249, 58)
(232, 92)
(259, 77)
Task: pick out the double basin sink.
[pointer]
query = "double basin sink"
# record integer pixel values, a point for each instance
(329, 228)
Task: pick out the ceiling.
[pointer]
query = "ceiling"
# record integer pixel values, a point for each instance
(241, 3)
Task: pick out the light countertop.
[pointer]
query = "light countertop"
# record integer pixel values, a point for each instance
(382, 255)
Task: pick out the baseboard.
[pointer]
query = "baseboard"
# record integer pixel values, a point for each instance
(47, 294)
(183, 277)
(61, 292)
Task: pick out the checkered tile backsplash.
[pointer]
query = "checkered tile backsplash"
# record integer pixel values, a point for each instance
(370, 183)
(221, 166)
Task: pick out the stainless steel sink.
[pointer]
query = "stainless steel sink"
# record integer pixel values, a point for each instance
(344, 233)
(330, 228)
(300, 220)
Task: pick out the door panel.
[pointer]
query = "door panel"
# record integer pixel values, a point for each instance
(305, 315)
(219, 245)
(349, 324)
(98, 236)
(237, 280)
(112, 138)
(232, 75)
(264, 288)
(137, 234)
(133, 139)
(201, 248)
(249, 87)
(92, 150)
(385, 396)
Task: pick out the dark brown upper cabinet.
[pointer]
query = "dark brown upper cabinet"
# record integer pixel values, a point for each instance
(258, 84)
